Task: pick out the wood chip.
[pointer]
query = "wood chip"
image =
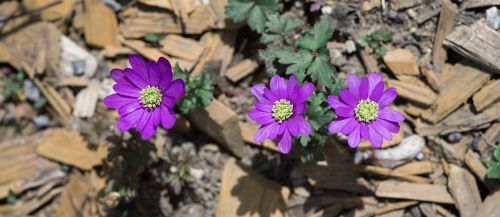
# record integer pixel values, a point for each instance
(220, 123)
(487, 95)
(389, 207)
(476, 166)
(403, 4)
(61, 107)
(431, 78)
(240, 189)
(248, 131)
(181, 47)
(158, 3)
(413, 92)
(445, 26)
(396, 139)
(488, 140)
(86, 100)
(427, 15)
(73, 196)
(59, 11)
(241, 69)
(75, 153)
(416, 168)
(464, 190)
(481, 3)
(402, 62)
(413, 191)
(335, 178)
(478, 42)
(489, 208)
(101, 25)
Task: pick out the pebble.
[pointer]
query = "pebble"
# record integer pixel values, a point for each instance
(327, 9)
(420, 156)
(41, 121)
(196, 173)
(396, 17)
(31, 91)
(492, 18)
(78, 67)
(115, 6)
(350, 46)
(454, 137)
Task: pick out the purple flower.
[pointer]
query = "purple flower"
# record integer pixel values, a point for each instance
(362, 111)
(145, 95)
(280, 111)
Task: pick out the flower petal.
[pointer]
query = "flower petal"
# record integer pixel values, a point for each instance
(127, 108)
(139, 65)
(264, 106)
(354, 137)
(349, 126)
(335, 102)
(389, 125)
(144, 120)
(167, 117)
(293, 88)
(154, 74)
(345, 112)
(353, 84)
(271, 96)
(292, 126)
(348, 98)
(128, 90)
(381, 130)
(116, 101)
(285, 143)
(129, 120)
(377, 92)
(336, 125)
(304, 125)
(118, 75)
(387, 97)
(258, 91)
(278, 87)
(363, 88)
(165, 70)
(390, 115)
(176, 89)
(168, 101)
(375, 138)
(134, 78)
(299, 108)
(148, 131)
(261, 117)
(374, 79)
(305, 91)
(266, 132)
(365, 134)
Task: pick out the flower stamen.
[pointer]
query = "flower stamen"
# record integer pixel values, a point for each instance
(366, 110)
(282, 110)
(151, 97)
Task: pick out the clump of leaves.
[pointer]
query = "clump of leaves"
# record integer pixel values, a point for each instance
(181, 161)
(319, 114)
(198, 90)
(494, 165)
(375, 41)
(254, 12)
(12, 84)
(11, 197)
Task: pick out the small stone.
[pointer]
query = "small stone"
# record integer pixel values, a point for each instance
(420, 156)
(196, 173)
(350, 46)
(301, 191)
(41, 121)
(327, 9)
(358, 157)
(395, 16)
(31, 91)
(115, 6)
(492, 18)
(454, 137)
(78, 67)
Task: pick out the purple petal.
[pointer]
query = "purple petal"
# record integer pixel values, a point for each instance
(168, 101)
(354, 137)
(268, 131)
(374, 79)
(127, 108)
(336, 125)
(349, 126)
(136, 79)
(304, 125)
(139, 65)
(305, 91)
(390, 115)
(377, 92)
(149, 131)
(115, 101)
(353, 84)
(381, 130)
(128, 121)
(387, 97)
(348, 98)
(167, 117)
(154, 74)
(165, 70)
(293, 88)
(375, 138)
(264, 106)
(271, 96)
(278, 86)
(292, 126)
(335, 102)
(299, 108)
(365, 134)
(258, 91)
(345, 112)
(144, 120)
(285, 143)
(127, 90)
(363, 89)
(118, 75)
(176, 89)
(389, 125)
(261, 117)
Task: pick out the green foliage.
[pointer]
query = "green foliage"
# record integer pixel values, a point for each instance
(375, 40)
(12, 84)
(11, 197)
(319, 114)
(198, 90)
(280, 29)
(152, 37)
(254, 12)
(494, 165)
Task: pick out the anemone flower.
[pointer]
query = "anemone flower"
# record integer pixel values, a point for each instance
(145, 95)
(279, 110)
(362, 111)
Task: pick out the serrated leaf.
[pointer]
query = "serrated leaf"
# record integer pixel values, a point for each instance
(307, 42)
(268, 38)
(292, 24)
(322, 33)
(494, 170)
(238, 10)
(257, 19)
(321, 70)
(497, 153)
(299, 61)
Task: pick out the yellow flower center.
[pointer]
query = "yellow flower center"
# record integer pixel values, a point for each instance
(151, 97)
(282, 110)
(366, 110)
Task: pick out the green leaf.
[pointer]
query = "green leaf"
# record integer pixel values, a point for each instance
(154, 37)
(238, 10)
(387, 37)
(257, 19)
(497, 152)
(308, 42)
(322, 33)
(180, 74)
(298, 61)
(11, 197)
(494, 170)
(321, 70)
